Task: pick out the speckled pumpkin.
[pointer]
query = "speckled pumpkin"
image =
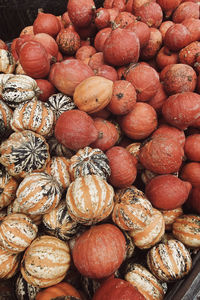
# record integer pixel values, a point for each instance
(19, 88)
(33, 115)
(169, 261)
(24, 290)
(8, 187)
(9, 263)
(37, 194)
(58, 149)
(60, 103)
(186, 228)
(146, 283)
(7, 62)
(5, 117)
(58, 167)
(89, 161)
(152, 233)
(89, 199)
(170, 216)
(132, 210)
(24, 152)
(59, 223)
(45, 261)
(17, 231)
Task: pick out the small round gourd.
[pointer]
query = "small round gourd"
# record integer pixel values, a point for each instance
(33, 115)
(60, 103)
(5, 117)
(19, 88)
(186, 228)
(24, 290)
(7, 62)
(8, 187)
(132, 210)
(58, 167)
(17, 231)
(170, 217)
(89, 199)
(146, 283)
(24, 152)
(45, 261)
(59, 223)
(3, 79)
(89, 161)
(169, 261)
(9, 263)
(37, 194)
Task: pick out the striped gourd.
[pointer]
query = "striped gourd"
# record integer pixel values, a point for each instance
(3, 214)
(46, 261)
(132, 210)
(170, 216)
(186, 229)
(169, 261)
(24, 152)
(7, 62)
(89, 199)
(59, 223)
(146, 283)
(25, 291)
(37, 194)
(57, 149)
(60, 103)
(152, 233)
(9, 263)
(33, 115)
(8, 187)
(89, 161)
(3, 79)
(5, 118)
(17, 231)
(19, 88)
(58, 168)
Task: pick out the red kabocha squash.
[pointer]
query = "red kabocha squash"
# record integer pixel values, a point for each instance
(121, 47)
(85, 52)
(182, 110)
(166, 57)
(165, 26)
(167, 191)
(101, 37)
(99, 251)
(117, 289)
(34, 59)
(170, 132)
(46, 23)
(154, 44)
(168, 6)
(60, 289)
(102, 18)
(161, 155)
(193, 26)
(192, 147)
(68, 41)
(120, 4)
(65, 19)
(177, 37)
(96, 60)
(48, 42)
(184, 11)
(124, 19)
(158, 99)
(107, 71)
(123, 97)
(142, 31)
(191, 172)
(150, 13)
(140, 122)
(75, 129)
(66, 75)
(81, 12)
(193, 202)
(47, 89)
(123, 170)
(21, 40)
(27, 30)
(189, 54)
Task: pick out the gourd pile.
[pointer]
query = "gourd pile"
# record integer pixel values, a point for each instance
(100, 151)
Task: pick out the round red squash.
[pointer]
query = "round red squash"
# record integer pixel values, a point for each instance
(192, 147)
(60, 289)
(191, 173)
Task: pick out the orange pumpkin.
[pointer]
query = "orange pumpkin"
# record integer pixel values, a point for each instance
(60, 289)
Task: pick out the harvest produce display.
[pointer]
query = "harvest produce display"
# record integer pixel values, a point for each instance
(100, 152)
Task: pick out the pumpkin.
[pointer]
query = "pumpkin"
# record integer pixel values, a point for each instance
(47, 89)
(142, 31)
(19, 88)
(33, 115)
(169, 261)
(186, 229)
(170, 216)
(177, 37)
(132, 210)
(46, 23)
(8, 188)
(17, 231)
(24, 290)
(45, 261)
(191, 148)
(99, 251)
(190, 172)
(145, 282)
(59, 223)
(81, 12)
(37, 194)
(57, 290)
(24, 152)
(171, 132)
(9, 263)
(7, 62)
(152, 233)
(68, 41)
(150, 13)
(89, 161)
(89, 199)
(60, 103)
(5, 117)
(93, 94)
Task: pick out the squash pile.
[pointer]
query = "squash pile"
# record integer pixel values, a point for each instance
(100, 151)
